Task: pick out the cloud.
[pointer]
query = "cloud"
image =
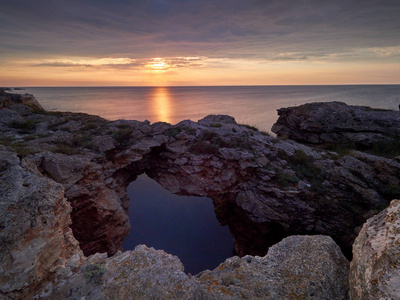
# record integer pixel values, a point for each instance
(252, 29)
(290, 57)
(184, 62)
(84, 62)
(386, 51)
(149, 64)
(61, 64)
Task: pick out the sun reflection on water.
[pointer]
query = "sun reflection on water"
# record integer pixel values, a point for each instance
(161, 104)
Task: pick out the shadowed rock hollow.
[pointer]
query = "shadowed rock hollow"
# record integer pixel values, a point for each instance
(263, 188)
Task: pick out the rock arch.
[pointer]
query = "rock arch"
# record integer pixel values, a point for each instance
(263, 188)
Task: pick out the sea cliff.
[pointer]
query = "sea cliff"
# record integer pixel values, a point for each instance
(294, 205)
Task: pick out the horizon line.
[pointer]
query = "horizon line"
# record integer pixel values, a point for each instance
(167, 86)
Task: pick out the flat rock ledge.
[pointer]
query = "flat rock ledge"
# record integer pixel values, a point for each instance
(63, 207)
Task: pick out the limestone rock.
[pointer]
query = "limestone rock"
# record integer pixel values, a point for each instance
(8, 99)
(299, 267)
(35, 238)
(147, 274)
(375, 268)
(8, 116)
(263, 188)
(216, 120)
(336, 122)
(62, 168)
(22, 109)
(104, 143)
(100, 221)
(143, 273)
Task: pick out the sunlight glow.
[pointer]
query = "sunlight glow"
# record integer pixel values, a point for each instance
(158, 64)
(161, 104)
(79, 62)
(284, 68)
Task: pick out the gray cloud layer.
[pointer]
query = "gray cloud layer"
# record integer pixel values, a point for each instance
(270, 30)
(164, 64)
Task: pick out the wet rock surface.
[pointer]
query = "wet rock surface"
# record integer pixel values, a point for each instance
(263, 188)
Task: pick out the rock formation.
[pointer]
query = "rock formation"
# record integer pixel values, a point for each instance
(36, 242)
(263, 188)
(24, 104)
(375, 269)
(336, 122)
(299, 267)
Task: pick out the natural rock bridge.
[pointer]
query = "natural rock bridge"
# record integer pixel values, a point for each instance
(264, 188)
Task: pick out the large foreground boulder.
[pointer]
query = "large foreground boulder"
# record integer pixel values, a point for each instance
(299, 267)
(375, 268)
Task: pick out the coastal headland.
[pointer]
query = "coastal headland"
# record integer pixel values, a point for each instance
(294, 203)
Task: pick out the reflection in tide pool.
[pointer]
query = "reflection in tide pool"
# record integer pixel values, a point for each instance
(181, 225)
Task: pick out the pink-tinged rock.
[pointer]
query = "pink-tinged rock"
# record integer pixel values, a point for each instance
(375, 268)
(35, 239)
(63, 168)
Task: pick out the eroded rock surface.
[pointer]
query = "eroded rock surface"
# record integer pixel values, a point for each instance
(99, 220)
(24, 104)
(262, 187)
(36, 242)
(375, 269)
(336, 122)
(266, 188)
(299, 267)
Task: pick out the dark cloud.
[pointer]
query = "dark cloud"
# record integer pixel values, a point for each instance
(161, 28)
(289, 58)
(61, 64)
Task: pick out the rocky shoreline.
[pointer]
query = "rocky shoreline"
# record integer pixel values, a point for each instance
(63, 178)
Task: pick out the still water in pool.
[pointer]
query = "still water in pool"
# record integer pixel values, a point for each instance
(184, 226)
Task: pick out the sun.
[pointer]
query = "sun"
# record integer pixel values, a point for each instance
(158, 64)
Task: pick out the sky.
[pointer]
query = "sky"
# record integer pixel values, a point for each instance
(189, 42)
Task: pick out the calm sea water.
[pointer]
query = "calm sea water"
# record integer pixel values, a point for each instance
(253, 105)
(187, 226)
(181, 225)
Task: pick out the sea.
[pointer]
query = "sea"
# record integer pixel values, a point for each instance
(252, 105)
(182, 225)
(185, 226)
